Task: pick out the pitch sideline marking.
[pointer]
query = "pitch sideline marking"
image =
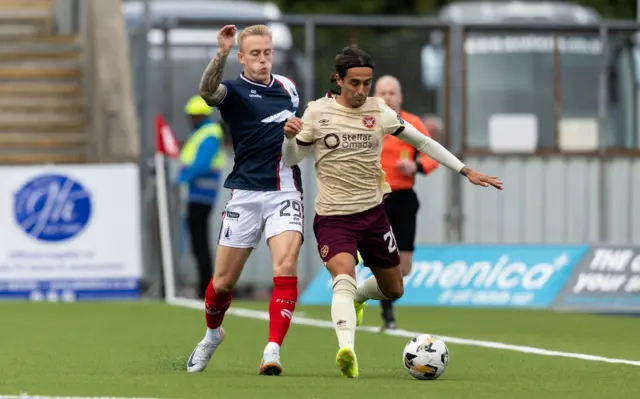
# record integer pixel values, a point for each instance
(261, 315)
(27, 396)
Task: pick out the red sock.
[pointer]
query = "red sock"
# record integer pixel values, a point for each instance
(281, 307)
(215, 305)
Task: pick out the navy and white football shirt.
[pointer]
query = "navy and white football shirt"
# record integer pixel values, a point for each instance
(256, 114)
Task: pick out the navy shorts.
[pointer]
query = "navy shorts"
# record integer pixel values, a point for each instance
(367, 232)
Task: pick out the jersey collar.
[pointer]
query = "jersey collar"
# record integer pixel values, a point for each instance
(332, 94)
(253, 82)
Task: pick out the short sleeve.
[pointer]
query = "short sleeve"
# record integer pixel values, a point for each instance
(306, 136)
(229, 99)
(392, 123)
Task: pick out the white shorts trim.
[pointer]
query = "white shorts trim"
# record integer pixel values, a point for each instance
(277, 233)
(229, 244)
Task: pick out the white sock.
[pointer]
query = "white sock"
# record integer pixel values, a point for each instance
(369, 290)
(212, 335)
(343, 314)
(272, 347)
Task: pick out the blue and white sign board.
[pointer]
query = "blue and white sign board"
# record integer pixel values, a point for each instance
(475, 276)
(606, 280)
(70, 232)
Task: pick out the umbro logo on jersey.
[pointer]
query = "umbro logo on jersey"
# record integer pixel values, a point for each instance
(254, 94)
(286, 313)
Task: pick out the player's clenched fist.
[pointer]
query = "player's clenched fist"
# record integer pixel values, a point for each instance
(292, 127)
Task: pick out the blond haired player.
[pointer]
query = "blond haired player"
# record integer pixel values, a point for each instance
(266, 194)
(346, 132)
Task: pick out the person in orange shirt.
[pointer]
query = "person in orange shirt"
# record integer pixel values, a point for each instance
(401, 162)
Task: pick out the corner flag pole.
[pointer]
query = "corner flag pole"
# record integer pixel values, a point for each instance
(165, 144)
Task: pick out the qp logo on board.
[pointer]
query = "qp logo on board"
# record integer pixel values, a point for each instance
(52, 208)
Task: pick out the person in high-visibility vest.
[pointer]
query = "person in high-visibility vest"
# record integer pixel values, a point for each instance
(401, 162)
(202, 158)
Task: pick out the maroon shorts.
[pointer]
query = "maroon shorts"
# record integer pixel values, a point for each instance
(367, 232)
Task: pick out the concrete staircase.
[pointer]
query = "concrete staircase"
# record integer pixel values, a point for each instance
(42, 102)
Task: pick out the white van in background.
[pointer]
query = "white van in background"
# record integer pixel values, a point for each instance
(510, 78)
(191, 47)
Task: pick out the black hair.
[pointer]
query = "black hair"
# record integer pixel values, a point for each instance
(350, 57)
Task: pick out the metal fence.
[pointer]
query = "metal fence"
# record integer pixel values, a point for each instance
(583, 90)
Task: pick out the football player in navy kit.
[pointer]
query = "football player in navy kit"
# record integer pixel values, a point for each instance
(266, 195)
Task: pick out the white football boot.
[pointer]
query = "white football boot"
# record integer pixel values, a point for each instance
(201, 355)
(270, 364)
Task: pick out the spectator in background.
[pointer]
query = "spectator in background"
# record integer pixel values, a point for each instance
(401, 162)
(202, 158)
(434, 126)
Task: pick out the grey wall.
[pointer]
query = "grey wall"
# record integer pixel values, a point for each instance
(555, 200)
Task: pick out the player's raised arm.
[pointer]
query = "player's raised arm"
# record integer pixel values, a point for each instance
(426, 145)
(210, 88)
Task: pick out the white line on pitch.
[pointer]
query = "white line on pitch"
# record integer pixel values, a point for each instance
(27, 396)
(261, 315)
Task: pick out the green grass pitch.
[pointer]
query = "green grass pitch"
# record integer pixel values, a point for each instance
(141, 349)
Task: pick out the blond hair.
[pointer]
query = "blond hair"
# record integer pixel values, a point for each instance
(254, 30)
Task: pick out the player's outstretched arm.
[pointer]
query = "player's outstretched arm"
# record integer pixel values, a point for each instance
(428, 146)
(435, 150)
(293, 149)
(210, 88)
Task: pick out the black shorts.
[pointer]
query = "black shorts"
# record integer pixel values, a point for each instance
(402, 209)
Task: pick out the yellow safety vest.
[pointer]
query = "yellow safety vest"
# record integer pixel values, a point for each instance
(190, 148)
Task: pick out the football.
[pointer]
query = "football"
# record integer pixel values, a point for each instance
(426, 357)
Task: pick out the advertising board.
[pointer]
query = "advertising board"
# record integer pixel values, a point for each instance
(528, 276)
(607, 279)
(70, 232)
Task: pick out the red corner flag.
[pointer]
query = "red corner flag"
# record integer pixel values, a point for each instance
(166, 142)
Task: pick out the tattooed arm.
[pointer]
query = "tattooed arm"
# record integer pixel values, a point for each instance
(210, 88)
